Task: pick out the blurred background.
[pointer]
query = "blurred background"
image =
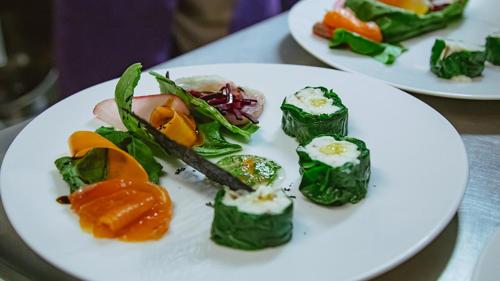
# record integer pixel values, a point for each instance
(51, 49)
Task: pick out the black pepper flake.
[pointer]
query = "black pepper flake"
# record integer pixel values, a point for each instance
(180, 170)
(209, 204)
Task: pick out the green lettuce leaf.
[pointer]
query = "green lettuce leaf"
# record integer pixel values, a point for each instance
(328, 185)
(124, 93)
(214, 143)
(468, 63)
(90, 168)
(382, 52)
(200, 106)
(399, 24)
(249, 231)
(137, 149)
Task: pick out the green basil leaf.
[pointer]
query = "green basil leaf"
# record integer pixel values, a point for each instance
(78, 172)
(214, 143)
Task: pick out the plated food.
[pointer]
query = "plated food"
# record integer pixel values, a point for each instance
(457, 60)
(411, 71)
(374, 27)
(113, 172)
(320, 236)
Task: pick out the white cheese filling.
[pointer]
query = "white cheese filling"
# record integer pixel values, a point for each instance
(312, 101)
(453, 46)
(332, 152)
(264, 200)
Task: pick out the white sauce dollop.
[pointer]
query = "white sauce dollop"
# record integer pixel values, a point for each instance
(332, 152)
(264, 200)
(312, 101)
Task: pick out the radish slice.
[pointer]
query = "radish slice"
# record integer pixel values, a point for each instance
(143, 106)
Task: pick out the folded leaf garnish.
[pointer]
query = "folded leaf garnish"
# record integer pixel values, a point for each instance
(124, 93)
(383, 52)
(201, 107)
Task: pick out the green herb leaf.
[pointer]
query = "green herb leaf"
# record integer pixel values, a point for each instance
(200, 106)
(213, 143)
(493, 48)
(383, 52)
(124, 93)
(90, 168)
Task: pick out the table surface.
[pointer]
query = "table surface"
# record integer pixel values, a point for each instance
(451, 256)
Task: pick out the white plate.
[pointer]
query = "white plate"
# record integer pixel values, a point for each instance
(419, 175)
(411, 70)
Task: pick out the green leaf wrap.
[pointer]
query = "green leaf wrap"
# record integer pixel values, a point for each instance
(202, 107)
(493, 49)
(88, 169)
(248, 231)
(399, 24)
(250, 169)
(468, 63)
(328, 185)
(382, 52)
(305, 126)
(214, 143)
(137, 149)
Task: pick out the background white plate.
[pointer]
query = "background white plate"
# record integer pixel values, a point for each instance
(419, 173)
(411, 70)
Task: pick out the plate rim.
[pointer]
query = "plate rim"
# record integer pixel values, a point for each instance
(376, 271)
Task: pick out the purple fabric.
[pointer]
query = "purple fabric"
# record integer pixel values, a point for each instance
(95, 40)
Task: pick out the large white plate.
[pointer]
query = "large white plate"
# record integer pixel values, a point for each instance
(411, 70)
(419, 175)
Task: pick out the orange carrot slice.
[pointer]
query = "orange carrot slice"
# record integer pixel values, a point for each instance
(124, 209)
(120, 163)
(345, 18)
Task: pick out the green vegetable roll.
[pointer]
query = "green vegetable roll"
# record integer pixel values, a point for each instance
(313, 111)
(493, 48)
(455, 60)
(335, 170)
(255, 220)
(252, 221)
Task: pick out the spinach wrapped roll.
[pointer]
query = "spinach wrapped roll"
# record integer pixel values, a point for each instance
(313, 111)
(456, 60)
(335, 170)
(254, 220)
(493, 48)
